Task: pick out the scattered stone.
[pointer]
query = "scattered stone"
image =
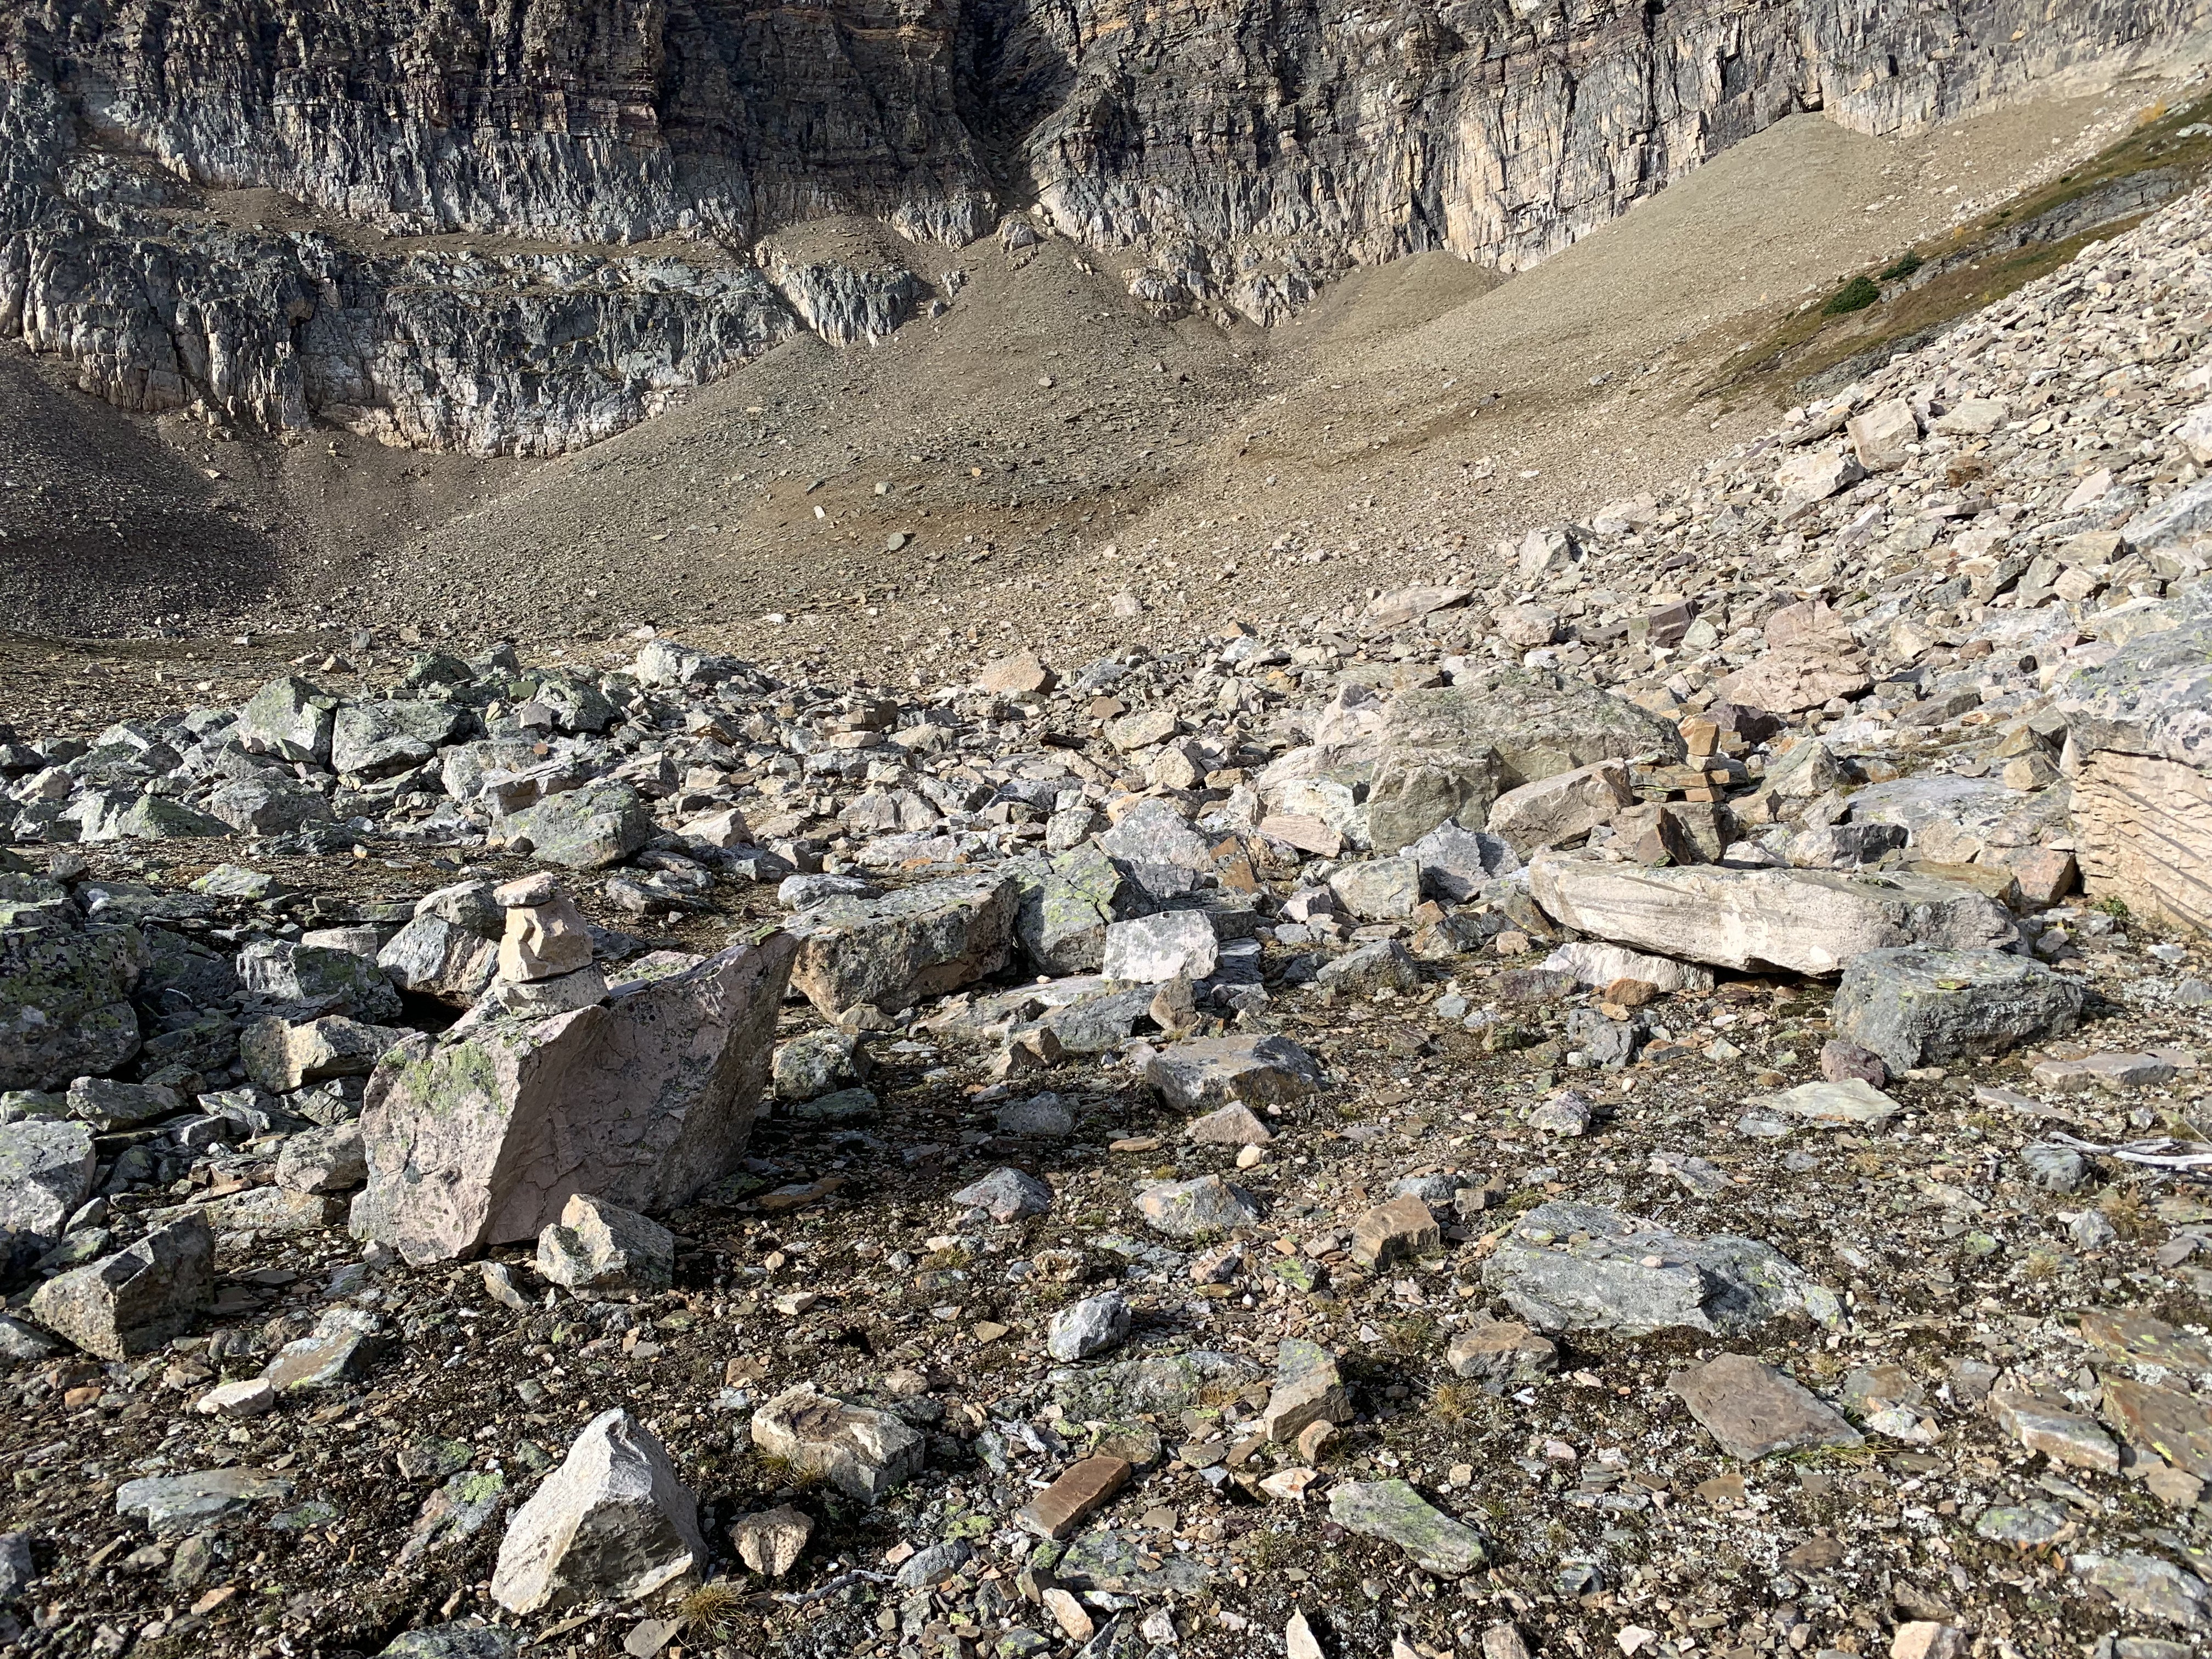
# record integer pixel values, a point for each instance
(600, 1246)
(344, 1347)
(1057, 1511)
(1007, 1196)
(862, 1452)
(173, 1503)
(1755, 1411)
(1394, 1512)
(1916, 1007)
(1199, 1208)
(1308, 1390)
(1502, 1350)
(1210, 1072)
(891, 952)
(1403, 1227)
(1174, 944)
(1234, 1125)
(47, 1171)
(771, 1541)
(1088, 1328)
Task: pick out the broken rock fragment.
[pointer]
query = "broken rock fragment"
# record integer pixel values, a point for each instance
(1209, 1071)
(1403, 1227)
(892, 952)
(1089, 1326)
(1007, 1195)
(771, 1541)
(136, 1299)
(1201, 1208)
(860, 1451)
(614, 1521)
(1394, 1512)
(1058, 1510)
(45, 1171)
(600, 1246)
(1309, 1388)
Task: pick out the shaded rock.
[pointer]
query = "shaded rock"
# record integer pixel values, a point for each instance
(1379, 890)
(288, 718)
(45, 1172)
(1570, 1266)
(816, 1062)
(436, 957)
(891, 952)
(1916, 1005)
(136, 1299)
(1592, 963)
(280, 1056)
(1393, 1511)
(344, 1347)
(1385, 965)
(329, 981)
(614, 1521)
(65, 1003)
(1808, 921)
(592, 826)
(1457, 863)
(771, 1541)
(323, 1160)
(173, 1503)
(602, 1246)
(862, 1452)
(1754, 1411)
(1067, 902)
(453, 1642)
(648, 1098)
(2146, 1585)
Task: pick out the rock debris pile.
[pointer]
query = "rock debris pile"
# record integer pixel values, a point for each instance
(1651, 1105)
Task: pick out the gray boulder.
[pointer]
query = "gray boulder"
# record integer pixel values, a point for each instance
(1916, 1005)
(453, 1642)
(1209, 1071)
(1201, 1208)
(1007, 1196)
(323, 1160)
(332, 981)
(45, 1172)
(1575, 1266)
(435, 957)
(1066, 904)
(590, 826)
(288, 718)
(480, 1137)
(269, 806)
(380, 739)
(1087, 1327)
(814, 1063)
(136, 1299)
(614, 1523)
(862, 1452)
(893, 951)
(65, 1003)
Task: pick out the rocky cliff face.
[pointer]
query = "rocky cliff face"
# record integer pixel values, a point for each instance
(1230, 155)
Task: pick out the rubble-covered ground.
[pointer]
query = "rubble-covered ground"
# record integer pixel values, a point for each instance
(1651, 1107)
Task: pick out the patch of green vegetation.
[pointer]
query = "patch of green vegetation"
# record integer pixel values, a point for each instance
(1899, 269)
(1855, 295)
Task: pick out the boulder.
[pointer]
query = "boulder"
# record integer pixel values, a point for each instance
(436, 957)
(1197, 1209)
(110, 1107)
(614, 1523)
(2140, 727)
(1917, 1006)
(171, 1505)
(894, 950)
(1007, 1195)
(814, 1063)
(315, 976)
(345, 1346)
(382, 739)
(1384, 965)
(480, 1137)
(1256, 1071)
(1882, 434)
(1152, 950)
(323, 1160)
(65, 1003)
(1090, 1326)
(269, 806)
(596, 824)
(599, 1246)
(280, 1056)
(288, 719)
(864, 1453)
(1592, 963)
(45, 1171)
(1380, 889)
(136, 1299)
(1568, 1265)
(1564, 807)
(1807, 921)
(1457, 863)
(1066, 903)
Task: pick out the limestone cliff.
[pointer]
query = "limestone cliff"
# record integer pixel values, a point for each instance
(1228, 155)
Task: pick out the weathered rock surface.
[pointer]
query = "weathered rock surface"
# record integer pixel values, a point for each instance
(1394, 1512)
(918, 942)
(1916, 1005)
(1212, 1072)
(1809, 922)
(615, 1521)
(599, 1246)
(862, 1452)
(64, 1007)
(481, 1137)
(45, 1172)
(136, 1299)
(1755, 1411)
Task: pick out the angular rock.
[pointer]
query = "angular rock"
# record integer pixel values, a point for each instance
(1087, 1327)
(1850, 1104)
(1308, 1388)
(453, 1642)
(1234, 1125)
(592, 826)
(1456, 864)
(1568, 1265)
(1754, 1411)
(1007, 1195)
(173, 1503)
(45, 1172)
(344, 1347)
(1557, 810)
(1403, 1227)
(435, 957)
(323, 1160)
(280, 1056)
(1081, 1491)
(1916, 1005)
(862, 1452)
(613, 1522)
(1394, 1511)
(136, 1299)
(1210, 1072)
(599, 1246)
(1596, 965)
(814, 1063)
(479, 1138)
(1807, 921)
(545, 935)
(2147, 1586)
(331, 981)
(1380, 889)
(1502, 1350)
(1385, 965)
(1067, 903)
(1199, 1208)
(769, 1542)
(65, 1003)
(1173, 945)
(288, 719)
(1882, 434)
(892, 952)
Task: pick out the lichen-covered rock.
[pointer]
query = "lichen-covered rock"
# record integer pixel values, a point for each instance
(45, 1172)
(378, 739)
(596, 824)
(918, 942)
(1916, 1006)
(289, 719)
(314, 977)
(64, 1007)
(1393, 1511)
(1209, 1071)
(136, 1299)
(481, 1137)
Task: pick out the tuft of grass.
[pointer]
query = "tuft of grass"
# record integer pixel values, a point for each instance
(2131, 1218)
(711, 1607)
(1855, 295)
(1455, 1402)
(948, 1258)
(2039, 1265)
(2114, 906)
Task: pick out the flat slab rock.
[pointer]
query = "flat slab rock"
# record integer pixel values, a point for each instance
(1575, 1266)
(1394, 1511)
(172, 1504)
(1807, 921)
(1197, 1209)
(1755, 1411)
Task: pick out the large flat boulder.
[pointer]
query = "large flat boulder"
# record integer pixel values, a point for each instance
(1806, 921)
(894, 950)
(2140, 727)
(481, 1137)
